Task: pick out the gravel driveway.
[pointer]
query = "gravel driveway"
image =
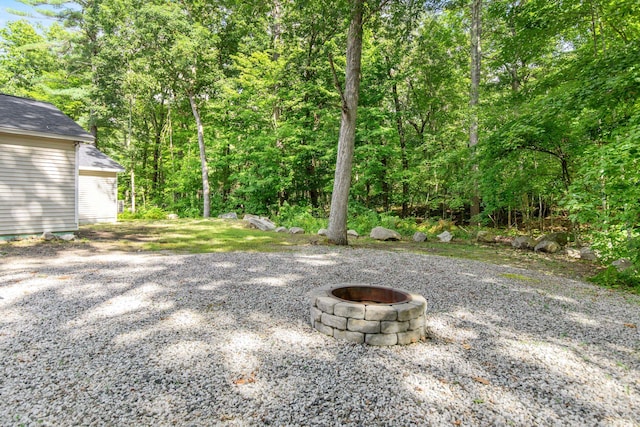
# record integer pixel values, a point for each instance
(152, 339)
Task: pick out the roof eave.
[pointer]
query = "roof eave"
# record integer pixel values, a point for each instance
(87, 168)
(81, 138)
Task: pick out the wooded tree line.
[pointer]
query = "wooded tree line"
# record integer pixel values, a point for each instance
(239, 103)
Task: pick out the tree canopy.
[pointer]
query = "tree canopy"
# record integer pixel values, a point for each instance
(227, 105)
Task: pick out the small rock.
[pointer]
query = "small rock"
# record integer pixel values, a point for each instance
(353, 233)
(419, 236)
(588, 254)
(323, 232)
(523, 242)
(296, 230)
(381, 233)
(228, 215)
(282, 230)
(573, 253)
(547, 246)
(622, 264)
(445, 237)
(47, 235)
(485, 237)
(172, 216)
(68, 237)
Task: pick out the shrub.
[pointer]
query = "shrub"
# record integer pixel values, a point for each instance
(612, 278)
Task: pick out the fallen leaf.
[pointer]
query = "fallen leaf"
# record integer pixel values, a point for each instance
(630, 325)
(246, 380)
(64, 277)
(466, 346)
(481, 380)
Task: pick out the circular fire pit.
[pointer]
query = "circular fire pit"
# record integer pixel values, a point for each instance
(369, 314)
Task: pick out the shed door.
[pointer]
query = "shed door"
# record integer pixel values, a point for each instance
(97, 197)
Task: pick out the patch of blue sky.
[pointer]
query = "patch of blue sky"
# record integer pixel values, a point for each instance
(13, 10)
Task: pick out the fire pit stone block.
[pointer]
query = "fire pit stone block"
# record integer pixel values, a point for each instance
(356, 337)
(380, 312)
(349, 310)
(337, 322)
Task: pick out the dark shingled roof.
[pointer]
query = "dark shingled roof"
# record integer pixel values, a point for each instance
(90, 158)
(19, 115)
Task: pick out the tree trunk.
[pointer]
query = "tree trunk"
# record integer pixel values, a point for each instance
(133, 158)
(403, 150)
(203, 156)
(342, 181)
(476, 30)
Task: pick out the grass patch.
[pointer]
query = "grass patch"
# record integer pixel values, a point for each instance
(519, 277)
(218, 235)
(190, 236)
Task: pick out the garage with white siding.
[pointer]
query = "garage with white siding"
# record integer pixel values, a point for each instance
(38, 167)
(97, 186)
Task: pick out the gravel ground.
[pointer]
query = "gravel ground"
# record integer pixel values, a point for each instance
(152, 339)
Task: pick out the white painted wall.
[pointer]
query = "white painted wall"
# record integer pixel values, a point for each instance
(37, 185)
(97, 197)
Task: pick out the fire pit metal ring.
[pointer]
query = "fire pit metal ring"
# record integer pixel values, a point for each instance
(373, 315)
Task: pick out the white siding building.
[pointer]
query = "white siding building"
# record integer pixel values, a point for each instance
(38, 167)
(97, 186)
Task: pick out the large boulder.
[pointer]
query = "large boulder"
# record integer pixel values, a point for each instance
(547, 246)
(282, 230)
(588, 254)
(523, 242)
(261, 223)
(622, 264)
(228, 215)
(352, 233)
(560, 238)
(445, 237)
(419, 236)
(296, 230)
(485, 237)
(381, 233)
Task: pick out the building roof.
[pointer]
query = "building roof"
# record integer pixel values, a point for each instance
(30, 117)
(90, 158)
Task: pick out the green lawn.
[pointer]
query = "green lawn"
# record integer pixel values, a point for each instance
(191, 236)
(217, 235)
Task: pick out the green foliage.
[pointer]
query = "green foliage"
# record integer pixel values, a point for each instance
(559, 114)
(612, 278)
(150, 213)
(300, 216)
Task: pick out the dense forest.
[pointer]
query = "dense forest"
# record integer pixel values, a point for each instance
(508, 113)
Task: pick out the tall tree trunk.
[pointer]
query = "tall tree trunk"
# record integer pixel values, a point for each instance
(342, 181)
(476, 30)
(403, 150)
(203, 156)
(132, 172)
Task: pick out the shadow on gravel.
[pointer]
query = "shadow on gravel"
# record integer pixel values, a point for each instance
(224, 338)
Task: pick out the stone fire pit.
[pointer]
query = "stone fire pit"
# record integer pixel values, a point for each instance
(369, 314)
